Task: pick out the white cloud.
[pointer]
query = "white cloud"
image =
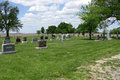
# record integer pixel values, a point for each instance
(67, 11)
(48, 13)
(76, 4)
(54, 7)
(40, 9)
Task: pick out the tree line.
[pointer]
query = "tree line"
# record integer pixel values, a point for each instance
(98, 14)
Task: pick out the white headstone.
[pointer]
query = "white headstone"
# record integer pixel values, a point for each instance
(13, 35)
(108, 35)
(57, 38)
(62, 38)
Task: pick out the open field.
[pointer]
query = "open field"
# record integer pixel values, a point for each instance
(68, 60)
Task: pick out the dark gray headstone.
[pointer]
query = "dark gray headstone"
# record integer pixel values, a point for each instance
(46, 37)
(41, 37)
(34, 40)
(6, 41)
(8, 48)
(7, 38)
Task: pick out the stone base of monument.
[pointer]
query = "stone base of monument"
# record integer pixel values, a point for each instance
(9, 52)
(41, 47)
(51, 39)
(109, 38)
(97, 40)
(24, 41)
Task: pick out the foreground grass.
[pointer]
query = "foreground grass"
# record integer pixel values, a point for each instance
(58, 61)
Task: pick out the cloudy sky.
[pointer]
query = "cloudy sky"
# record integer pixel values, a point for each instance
(35, 14)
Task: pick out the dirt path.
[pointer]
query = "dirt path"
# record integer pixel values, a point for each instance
(106, 69)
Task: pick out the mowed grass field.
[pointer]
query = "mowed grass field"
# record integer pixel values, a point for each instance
(58, 62)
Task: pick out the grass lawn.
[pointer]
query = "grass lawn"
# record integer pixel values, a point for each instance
(58, 62)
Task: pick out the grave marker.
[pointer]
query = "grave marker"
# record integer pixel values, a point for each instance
(6, 41)
(24, 40)
(41, 44)
(41, 38)
(46, 38)
(8, 48)
(108, 36)
(97, 38)
(34, 40)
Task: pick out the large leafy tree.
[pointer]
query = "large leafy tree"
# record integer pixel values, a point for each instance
(108, 9)
(42, 30)
(62, 27)
(51, 29)
(8, 18)
(65, 28)
(91, 20)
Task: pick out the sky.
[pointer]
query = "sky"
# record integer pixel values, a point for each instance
(35, 14)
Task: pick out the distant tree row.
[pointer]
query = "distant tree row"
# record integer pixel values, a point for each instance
(65, 28)
(115, 30)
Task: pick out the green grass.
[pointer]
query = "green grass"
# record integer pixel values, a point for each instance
(59, 60)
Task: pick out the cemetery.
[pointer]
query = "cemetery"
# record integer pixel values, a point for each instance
(60, 40)
(53, 59)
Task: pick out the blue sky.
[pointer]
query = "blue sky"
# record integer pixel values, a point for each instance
(35, 14)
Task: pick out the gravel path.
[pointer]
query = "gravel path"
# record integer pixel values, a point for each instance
(106, 69)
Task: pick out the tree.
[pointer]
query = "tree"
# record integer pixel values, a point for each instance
(91, 20)
(62, 27)
(51, 29)
(115, 30)
(38, 32)
(8, 18)
(65, 28)
(108, 9)
(42, 30)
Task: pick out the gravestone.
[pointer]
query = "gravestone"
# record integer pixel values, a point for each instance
(62, 38)
(41, 44)
(97, 38)
(108, 36)
(117, 36)
(68, 36)
(46, 38)
(24, 40)
(101, 35)
(6, 41)
(18, 40)
(8, 48)
(53, 36)
(41, 38)
(7, 38)
(57, 38)
(34, 40)
(13, 35)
